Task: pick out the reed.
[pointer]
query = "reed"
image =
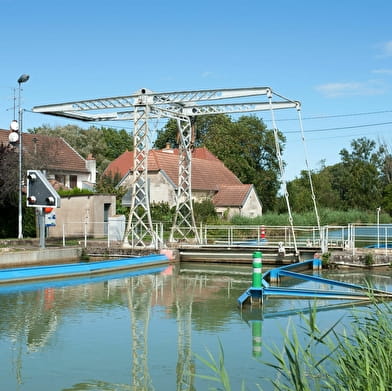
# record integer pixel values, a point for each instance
(355, 359)
(327, 217)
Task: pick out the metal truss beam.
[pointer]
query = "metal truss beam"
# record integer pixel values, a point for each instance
(139, 225)
(184, 226)
(144, 105)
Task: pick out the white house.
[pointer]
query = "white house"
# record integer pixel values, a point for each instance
(211, 179)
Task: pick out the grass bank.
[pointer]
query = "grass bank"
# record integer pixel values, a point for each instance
(327, 217)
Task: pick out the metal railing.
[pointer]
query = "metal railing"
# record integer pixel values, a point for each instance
(260, 235)
(327, 237)
(85, 232)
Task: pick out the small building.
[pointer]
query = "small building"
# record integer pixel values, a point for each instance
(57, 158)
(211, 179)
(66, 169)
(84, 215)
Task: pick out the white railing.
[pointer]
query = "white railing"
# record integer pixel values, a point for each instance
(110, 233)
(327, 237)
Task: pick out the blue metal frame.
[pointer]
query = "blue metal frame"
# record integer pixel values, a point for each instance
(357, 292)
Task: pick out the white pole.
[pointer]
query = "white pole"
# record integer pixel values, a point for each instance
(378, 227)
(22, 79)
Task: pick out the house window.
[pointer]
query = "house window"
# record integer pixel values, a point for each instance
(73, 181)
(60, 179)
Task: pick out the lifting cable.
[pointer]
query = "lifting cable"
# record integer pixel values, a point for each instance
(308, 170)
(282, 171)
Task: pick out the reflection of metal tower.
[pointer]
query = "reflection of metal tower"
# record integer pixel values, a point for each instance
(184, 302)
(139, 291)
(182, 105)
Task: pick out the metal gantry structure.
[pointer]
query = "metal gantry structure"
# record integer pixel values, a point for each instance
(144, 106)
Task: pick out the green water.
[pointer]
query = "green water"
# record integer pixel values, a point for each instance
(141, 332)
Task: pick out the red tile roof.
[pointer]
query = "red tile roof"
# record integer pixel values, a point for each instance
(208, 172)
(60, 155)
(231, 195)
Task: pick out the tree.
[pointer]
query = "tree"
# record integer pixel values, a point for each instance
(9, 185)
(357, 179)
(245, 146)
(108, 184)
(8, 176)
(300, 193)
(105, 144)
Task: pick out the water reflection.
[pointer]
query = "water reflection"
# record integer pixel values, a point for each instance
(138, 332)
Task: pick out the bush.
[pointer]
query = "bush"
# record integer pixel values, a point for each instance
(204, 211)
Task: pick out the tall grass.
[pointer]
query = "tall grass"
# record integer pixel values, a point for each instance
(327, 217)
(356, 359)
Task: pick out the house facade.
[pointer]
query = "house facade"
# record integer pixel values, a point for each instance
(67, 169)
(57, 158)
(210, 179)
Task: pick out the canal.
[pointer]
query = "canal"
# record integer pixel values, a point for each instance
(145, 331)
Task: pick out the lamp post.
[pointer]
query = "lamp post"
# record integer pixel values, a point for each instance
(378, 227)
(22, 79)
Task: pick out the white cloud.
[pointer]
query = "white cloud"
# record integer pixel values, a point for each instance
(385, 49)
(382, 71)
(334, 90)
(206, 74)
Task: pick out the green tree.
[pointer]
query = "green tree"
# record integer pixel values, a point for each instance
(300, 193)
(357, 179)
(107, 184)
(8, 176)
(9, 184)
(105, 144)
(245, 146)
(167, 135)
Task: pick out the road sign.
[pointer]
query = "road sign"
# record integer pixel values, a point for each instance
(40, 193)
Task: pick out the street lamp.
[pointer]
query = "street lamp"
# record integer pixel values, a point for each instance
(22, 79)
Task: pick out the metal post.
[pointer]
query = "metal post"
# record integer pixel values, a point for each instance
(378, 227)
(257, 265)
(22, 79)
(41, 217)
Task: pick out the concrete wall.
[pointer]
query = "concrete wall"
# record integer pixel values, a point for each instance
(252, 206)
(37, 257)
(80, 214)
(161, 189)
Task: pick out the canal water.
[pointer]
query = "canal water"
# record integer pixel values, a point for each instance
(147, 330)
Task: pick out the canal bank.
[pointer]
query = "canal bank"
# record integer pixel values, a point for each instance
(26, 252)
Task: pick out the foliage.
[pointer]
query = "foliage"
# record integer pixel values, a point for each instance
(357, 184)
(327, 217)
(8, 176)
(245, 146)
(104, 144)
(107, 184)
(364, 358)
(204, 211)
(300, 365)
(300, 191)
(218, 369)
(162, 212)
(29, 221)
(9, 185)
(9, 221)
(74, 192)
(325, 258)
(357, 359)
(369, 259)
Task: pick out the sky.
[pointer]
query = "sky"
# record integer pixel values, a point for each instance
(335, 57)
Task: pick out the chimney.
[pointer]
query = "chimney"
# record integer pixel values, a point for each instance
(168, 148)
